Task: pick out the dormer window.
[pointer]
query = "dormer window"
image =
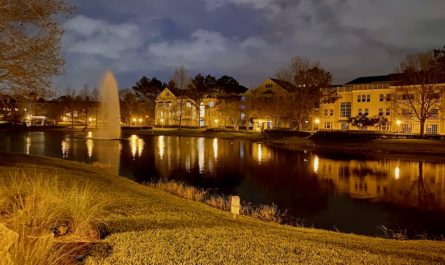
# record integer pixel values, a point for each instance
(269, 85)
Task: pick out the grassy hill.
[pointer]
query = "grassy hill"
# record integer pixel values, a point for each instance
(149, 226)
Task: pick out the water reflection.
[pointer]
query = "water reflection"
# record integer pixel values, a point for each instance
(136, 145)
(161, 146)
(66, 146)
(215, 148)
(316, 187)
(413, 184)
(201, 150)
(28, 144)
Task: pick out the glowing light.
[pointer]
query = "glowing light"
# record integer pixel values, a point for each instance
(66, 146)
(90, 134)
(140, 120)
(215, 148)
(28, 144)
(260, 153)
(317, 121)
(316, 163)
(216, 121)
(136, 145)
(134, 119)
(397, 172)
(398, 122)
(90, 147)
(161, 146)
(201, 149)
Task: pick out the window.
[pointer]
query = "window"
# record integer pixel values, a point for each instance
(434, 114)
(382, 97)
(388, 112)
(359, 111)
(211, 104)
(167, 94)
(380, 111)
(331, 112)
(269, 85)
(407, 128)
(326, 112)
(368, 98)
(161, 104)
(406, 112)
(431, 129)
(366, 112)
(407, 96)
(345, 109)
(388, 97)
(189, 105)
(328, 125)
(359, 98)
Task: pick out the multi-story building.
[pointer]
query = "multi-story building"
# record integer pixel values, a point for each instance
(208, 111)
(375, 96)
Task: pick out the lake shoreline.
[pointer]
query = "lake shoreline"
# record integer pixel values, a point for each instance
(145, 219)
(423, 148)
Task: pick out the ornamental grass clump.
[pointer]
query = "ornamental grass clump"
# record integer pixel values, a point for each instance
(269, 213)
(44, 209)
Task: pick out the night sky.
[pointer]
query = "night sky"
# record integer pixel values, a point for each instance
(248, 39)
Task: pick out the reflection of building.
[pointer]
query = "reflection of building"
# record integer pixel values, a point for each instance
(375, 96)
(407, 184)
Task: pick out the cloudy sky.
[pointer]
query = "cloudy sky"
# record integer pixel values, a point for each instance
(248, 39)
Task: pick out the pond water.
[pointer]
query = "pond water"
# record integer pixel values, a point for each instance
(355, 194)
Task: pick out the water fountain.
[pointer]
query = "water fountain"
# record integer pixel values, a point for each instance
(108, 116)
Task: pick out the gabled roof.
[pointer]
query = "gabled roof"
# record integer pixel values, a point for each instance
(284, 84)
(375, 79)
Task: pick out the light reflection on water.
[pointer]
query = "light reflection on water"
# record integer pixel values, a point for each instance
(323, 189)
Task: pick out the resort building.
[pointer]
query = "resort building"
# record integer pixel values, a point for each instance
(212, 110)
(376, 96)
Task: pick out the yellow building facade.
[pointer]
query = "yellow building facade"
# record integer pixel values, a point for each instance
(374, 97)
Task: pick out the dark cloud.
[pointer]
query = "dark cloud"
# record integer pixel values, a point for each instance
(248, 39)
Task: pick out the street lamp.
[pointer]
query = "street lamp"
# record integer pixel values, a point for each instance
(398, 125)
(134, 121)
(216, 122)
(162, 123)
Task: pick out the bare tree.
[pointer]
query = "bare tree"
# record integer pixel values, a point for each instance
(419, 88)
(182, 81)
(30, 44)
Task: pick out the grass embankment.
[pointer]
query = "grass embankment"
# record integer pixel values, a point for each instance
(150, 226)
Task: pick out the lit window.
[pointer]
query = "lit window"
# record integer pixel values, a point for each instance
(345, 109)
(189, 105)
(328, 125)
(431, 129)
(211, 104)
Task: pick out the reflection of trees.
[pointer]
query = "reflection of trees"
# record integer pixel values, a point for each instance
(425, 198)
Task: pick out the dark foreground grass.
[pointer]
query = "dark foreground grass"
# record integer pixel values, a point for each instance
(150, 226)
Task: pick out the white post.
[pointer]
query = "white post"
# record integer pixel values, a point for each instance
(235, 206)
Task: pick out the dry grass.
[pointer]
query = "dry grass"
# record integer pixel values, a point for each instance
(269, 213)
(41, 205)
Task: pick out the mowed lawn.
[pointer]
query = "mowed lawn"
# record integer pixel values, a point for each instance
(149, 226)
